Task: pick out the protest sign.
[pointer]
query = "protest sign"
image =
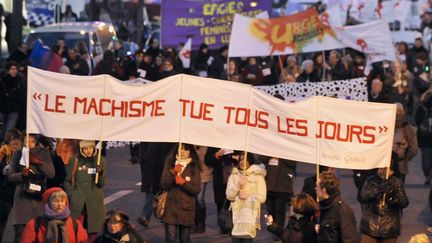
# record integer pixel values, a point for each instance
(211, 112)
(206, 22)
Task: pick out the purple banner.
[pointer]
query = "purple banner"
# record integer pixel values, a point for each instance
(205, 21)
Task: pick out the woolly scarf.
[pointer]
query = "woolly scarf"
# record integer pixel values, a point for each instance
(56, 221)
(183, 162)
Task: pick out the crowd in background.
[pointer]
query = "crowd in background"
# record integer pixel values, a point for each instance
(69, 205)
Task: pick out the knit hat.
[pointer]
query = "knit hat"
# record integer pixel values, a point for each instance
(48, 193)
(85, 143)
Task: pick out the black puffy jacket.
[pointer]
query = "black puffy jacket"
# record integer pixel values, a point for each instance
(382, 220)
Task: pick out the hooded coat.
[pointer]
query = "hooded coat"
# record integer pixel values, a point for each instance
(255, 187)
(82, 191)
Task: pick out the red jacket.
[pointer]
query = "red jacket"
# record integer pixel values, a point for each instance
(29, 234)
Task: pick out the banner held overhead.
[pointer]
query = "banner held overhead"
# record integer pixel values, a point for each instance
(217, 113)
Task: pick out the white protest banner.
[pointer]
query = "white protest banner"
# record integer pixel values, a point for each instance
(350, 89)
(210, 112)
(371, 38)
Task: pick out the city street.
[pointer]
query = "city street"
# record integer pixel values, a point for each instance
(123, 191)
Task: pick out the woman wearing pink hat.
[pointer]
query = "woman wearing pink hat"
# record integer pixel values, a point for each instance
(56, 224)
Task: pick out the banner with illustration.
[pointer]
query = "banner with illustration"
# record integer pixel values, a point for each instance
(307, 32)
(300, 32)
(210, 112)
(206, 22)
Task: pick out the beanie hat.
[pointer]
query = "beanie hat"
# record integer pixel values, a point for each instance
(47, 194)
(85, 143)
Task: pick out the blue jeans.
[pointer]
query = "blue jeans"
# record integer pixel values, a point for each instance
(9, 121)
(177, 233)
(148, 205)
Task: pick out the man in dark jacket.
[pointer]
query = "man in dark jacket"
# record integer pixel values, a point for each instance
(76, 64)
(337, 220)
(222, 163)
(335, 67)
(20, 54)
(279, 180)
(14, 99)
(219, 66)
(152, 156)
(384, 201)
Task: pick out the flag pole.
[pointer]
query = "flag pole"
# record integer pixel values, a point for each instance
(98, 162)
(281, 66)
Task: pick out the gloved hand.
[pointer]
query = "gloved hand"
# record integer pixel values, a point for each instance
(99, 170)
(25, 173)
(179, 180)
(35, 160)
(177, 169)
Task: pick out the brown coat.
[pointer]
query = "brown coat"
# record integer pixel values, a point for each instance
(180, 204)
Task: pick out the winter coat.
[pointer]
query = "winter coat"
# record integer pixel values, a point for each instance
(152, 156)
(82, 69)
(127, 235)
(422, 118)
(297, 231)
(255, 187)
(359, 178)
(82, 191)
(180, 203)
(337, 222)
(280, 175)
(14, 96)
(26, 207)
(29, 234)
(411, 151)
(305, 77)
(378, 220)
(253, 75)
(112, 69)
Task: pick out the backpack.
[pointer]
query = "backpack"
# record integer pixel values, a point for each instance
(400, 142)
(38, 222)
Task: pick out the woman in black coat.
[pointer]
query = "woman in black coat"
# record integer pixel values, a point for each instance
(181, 179)
(382, 220)
(301, 225)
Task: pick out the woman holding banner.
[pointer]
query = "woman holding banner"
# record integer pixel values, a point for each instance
(28, 178)
(384, 201)
(246, 190)
(181, 179)
(85, 193)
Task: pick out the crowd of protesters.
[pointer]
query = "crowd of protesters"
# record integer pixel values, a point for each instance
(58, 196)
